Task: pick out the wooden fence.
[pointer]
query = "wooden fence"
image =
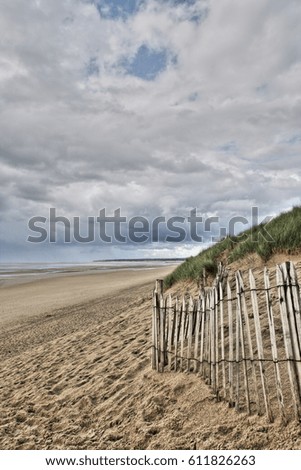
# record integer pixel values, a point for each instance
(243, 336)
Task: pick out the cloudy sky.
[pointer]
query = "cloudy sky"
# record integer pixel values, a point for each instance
(155, 107)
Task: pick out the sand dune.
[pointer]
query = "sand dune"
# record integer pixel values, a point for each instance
(76, 375)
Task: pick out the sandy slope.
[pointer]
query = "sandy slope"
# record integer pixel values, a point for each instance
(78, 377)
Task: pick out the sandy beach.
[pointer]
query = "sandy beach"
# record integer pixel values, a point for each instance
(75, 374)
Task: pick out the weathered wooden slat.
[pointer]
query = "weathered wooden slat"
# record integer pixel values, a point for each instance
(221, 299)
(159, 287)
(170, 311)
(162, 333)
(182, 338)
(190, 330)
(154, 352)
(288, 342)
(237, 358)
(246, 324)
(177, 328)
(293, 317)
(239, 291)
(203, 320)
(260, 347)
(231, 345)
(274, 344)
(216, 327)
(197, 336)
(296, 300)
(207, 358)
(212, 342)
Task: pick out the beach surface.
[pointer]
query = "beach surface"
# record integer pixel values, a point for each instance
(36, 296)
(75, 374)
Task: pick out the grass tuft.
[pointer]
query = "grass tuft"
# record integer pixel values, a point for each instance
(281, 235)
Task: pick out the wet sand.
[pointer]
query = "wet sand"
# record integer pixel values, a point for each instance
(35, 296)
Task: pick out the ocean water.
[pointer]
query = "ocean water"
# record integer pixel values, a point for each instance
(36, 269)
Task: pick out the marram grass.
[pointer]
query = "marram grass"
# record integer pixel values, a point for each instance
(281, 235)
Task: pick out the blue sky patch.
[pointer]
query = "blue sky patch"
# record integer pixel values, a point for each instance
(147, 63)
(182, 2)
(262, 89)
(116, 9)
(229, 148)
(195, 13)
(294, 139)
(199, 17)
(92, 67)
(193, 96)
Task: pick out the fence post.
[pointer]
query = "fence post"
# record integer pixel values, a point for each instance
(171, 320)
(155, 332)
(237, 356)
(159, 287)
(239, 291)
(182, 337)
(190, 329)
(203, 318)
(288, 341)
(162, 333)
(177, 327)
(231, 346)
(245, 321)
(274, 343)
(212, 341)
(158, 291)
(221, 299)
(260, 347)
(293, 317)
(216, 326)
(296, 300)
(197, 334)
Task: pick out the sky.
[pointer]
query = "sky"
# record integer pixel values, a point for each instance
(152, 107)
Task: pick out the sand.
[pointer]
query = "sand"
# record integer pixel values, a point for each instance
(75, 374)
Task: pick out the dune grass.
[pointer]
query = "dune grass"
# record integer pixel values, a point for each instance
(281, 235)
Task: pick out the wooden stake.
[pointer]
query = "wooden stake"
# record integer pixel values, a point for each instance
(182, 338)
(170, 311)
(221, 296)
(196, 336)
(159, 287)
(208, 340)
(162, 334)
(245, 320)
(177, 332)
(203, 319)
(288, 343)
(274, 343)
(260, 347)
(212, 342)
(190, 329)
(154, 334)
(293, 319)
(216, 326)
(296, 300)
(239, 289)
(237, 356)
(231, 345)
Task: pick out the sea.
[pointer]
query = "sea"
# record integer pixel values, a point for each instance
(19, 270)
